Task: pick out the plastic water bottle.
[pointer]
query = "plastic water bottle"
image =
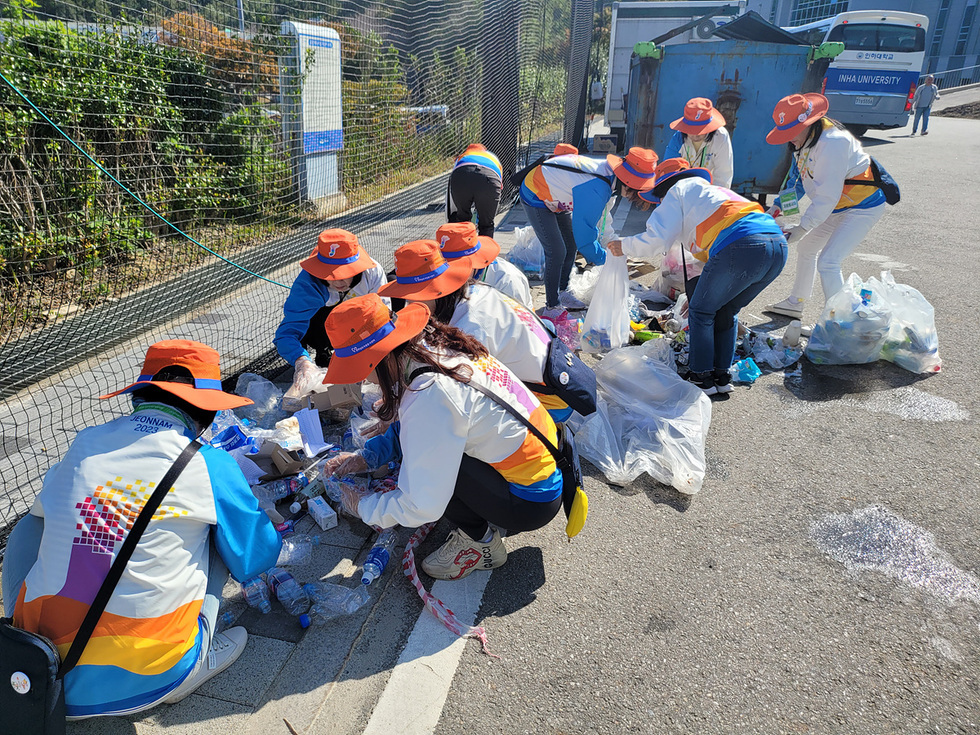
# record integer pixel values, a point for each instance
(279, 489)
(378, 556)
(297, 549)
(331, 601)
(225, 621)
(288, 591)
(256, 594)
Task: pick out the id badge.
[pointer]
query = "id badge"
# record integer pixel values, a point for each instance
(789, 203)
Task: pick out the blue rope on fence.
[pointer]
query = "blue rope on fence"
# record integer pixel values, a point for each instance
(126, 189)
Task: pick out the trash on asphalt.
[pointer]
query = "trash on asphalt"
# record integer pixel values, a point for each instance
(745, 371)
(266, 398)
(648, 420)
(765, 349)
(877, 319)
(332, 601)
(527, 253)
(582, 285)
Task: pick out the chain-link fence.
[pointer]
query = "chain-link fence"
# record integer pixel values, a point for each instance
(158, 156)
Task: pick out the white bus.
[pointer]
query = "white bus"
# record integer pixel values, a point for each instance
(870, 85)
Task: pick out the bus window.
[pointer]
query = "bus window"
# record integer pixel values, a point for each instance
(812, 37)
(879, 37)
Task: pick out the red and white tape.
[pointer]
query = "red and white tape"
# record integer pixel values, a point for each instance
(432, 603)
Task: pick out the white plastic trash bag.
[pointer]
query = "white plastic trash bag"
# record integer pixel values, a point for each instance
(647, 420)
(582, 285)
(912, 342)
(607, 323)
(527, 253)
(854, 325)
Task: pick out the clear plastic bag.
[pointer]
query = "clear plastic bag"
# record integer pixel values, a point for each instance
(647, 420)
(912, 342)
(266, 398)
(527, 253)
(854, 325)
(582, 285)
(607, 323)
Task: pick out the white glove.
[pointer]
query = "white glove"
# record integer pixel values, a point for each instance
(345, 463)
(794, 233)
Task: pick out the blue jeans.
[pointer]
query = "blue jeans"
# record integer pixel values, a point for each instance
(923, 113)
(558, 240)
(730, 281)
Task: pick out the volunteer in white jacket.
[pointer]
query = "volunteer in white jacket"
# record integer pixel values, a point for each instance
(464, 457)
(840, 215)
(510, 331)
(460, 240)
(581, 186)
(702, 140)
(744, 249)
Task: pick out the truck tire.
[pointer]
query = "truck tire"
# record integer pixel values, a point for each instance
(857, 131)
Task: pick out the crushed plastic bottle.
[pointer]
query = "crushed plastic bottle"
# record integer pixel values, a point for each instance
(224, 621)
(379, 555)
(331, 601)
(297, 549)
(279, 489)
(256, 594)
(288, 591)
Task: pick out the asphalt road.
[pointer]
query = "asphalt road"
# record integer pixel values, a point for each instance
(724, 614)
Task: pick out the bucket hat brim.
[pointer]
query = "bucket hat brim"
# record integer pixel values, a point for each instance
(618, 165)
(648, 196)
(488, 252)
(207, 399)
(409, 322)
(328, 272)
(716, 122)
(458, 271)
(820, 108)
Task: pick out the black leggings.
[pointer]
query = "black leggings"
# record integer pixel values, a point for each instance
(483, 496)
(469, 187)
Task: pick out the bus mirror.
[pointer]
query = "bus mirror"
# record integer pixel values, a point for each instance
(827, 50)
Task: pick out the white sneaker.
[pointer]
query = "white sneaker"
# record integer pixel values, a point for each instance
(787, 307)
(461, 555)
(569, 301)
(226, 647)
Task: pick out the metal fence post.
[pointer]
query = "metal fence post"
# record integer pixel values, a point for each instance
(499, 122)
(578, 72)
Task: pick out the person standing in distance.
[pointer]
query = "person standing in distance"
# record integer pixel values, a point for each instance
(925, 95)
(476, 181)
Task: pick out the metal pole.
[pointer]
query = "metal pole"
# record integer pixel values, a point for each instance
(241, 19)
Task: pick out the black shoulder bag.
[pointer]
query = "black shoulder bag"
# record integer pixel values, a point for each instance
(32, 695)
(573, 498)
(567, 376)
(882, 180)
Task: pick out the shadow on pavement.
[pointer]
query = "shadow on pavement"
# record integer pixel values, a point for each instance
(819, 383)
(874, 142)
(514, 585)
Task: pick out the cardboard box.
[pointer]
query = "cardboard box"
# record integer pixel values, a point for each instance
(277, 461)
(322, 513)
(328, 396)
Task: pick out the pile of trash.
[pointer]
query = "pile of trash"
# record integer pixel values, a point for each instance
(648, 420)
(527, 253)
(279, 443)
(877, 320)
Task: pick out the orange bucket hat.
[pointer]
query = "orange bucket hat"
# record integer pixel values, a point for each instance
(423, 273)
(636, 170)
(669, 169)
(565, 149)
(794, 113)
(473, 148)
(363, 330)
(338, 255)
(459, 240)
(202, 362)
(700, 118)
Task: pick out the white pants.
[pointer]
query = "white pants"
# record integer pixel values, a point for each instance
(824, 248)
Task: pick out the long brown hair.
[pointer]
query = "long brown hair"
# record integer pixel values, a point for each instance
(445, 306)
(436, 337)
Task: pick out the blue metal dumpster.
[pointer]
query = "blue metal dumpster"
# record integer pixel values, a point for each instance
(744, 79)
